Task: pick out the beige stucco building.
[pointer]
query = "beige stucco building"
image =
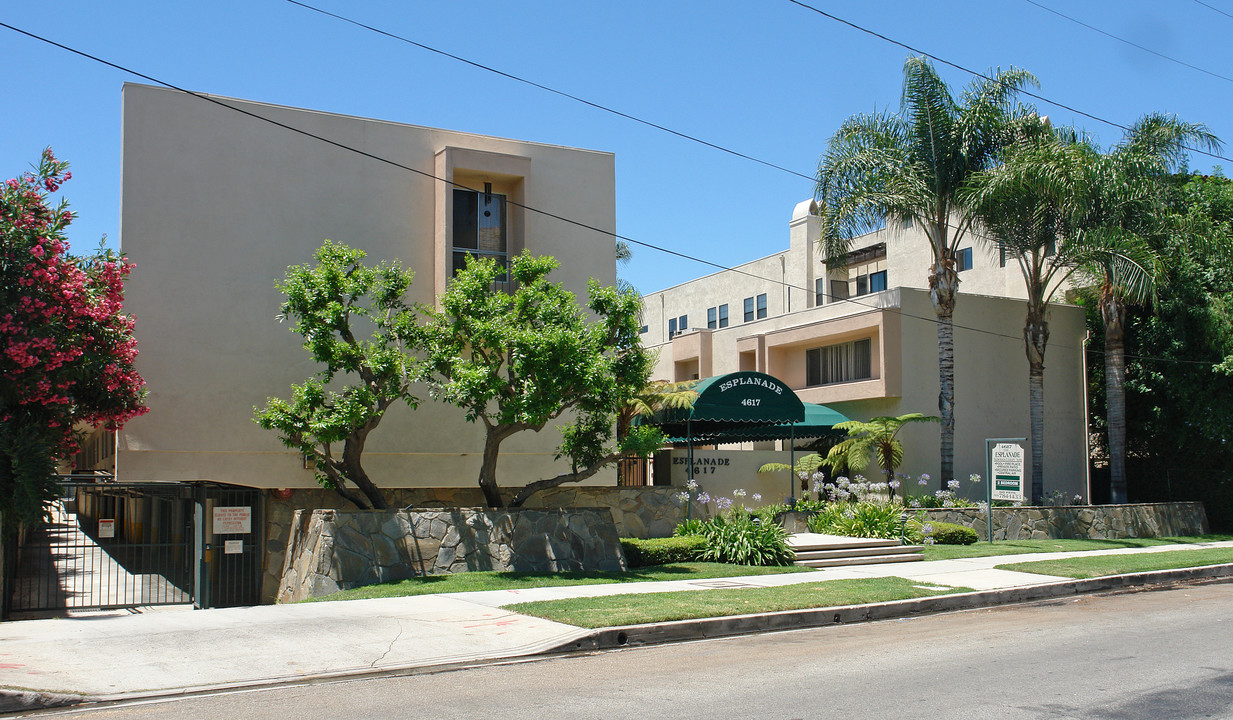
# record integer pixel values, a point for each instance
(863, 340)
(216, 204)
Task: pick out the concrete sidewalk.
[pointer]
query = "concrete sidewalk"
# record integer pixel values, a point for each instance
(111, 656)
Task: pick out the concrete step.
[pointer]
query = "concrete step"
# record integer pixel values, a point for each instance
(853, 543)
(870, 552)
(866, 560)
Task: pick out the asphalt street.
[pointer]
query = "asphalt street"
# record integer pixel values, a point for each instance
(1158, 654)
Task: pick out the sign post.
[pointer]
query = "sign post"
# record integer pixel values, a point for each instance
(1003, 475)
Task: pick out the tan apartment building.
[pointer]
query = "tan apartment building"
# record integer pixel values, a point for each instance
(216, 204)
(863, 340)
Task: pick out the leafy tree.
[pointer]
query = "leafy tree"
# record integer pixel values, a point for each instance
(332, 304)
(911, 165)
(518, 361)
(877, 440)
(66, 346)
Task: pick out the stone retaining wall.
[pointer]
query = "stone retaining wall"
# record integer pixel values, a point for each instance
(332, 550)
(1101, 522)
(637, 512)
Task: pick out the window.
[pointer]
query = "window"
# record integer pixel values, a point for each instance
(671, 328)
(819, 291)
(1001, 257)
(712, 319)
(877, 281)
(479, 229)
(723, 316)
(963, 260)
(749, 309)
(1051, 248)
(838, 363)
(682, 323)
(762, 306)
(839, 289)
(644, 329)
(862, 285)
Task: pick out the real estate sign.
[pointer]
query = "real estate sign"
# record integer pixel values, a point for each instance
(1006, 470)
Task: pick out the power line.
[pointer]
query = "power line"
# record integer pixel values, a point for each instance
(546, 88)
(1214, 8)
(1132, 44)
(545, 213)
(976, 73)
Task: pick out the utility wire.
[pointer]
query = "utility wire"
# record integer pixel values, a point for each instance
(1136, 45)
(1214, 8)
(545, 213)
(554, 91)
(961, 68)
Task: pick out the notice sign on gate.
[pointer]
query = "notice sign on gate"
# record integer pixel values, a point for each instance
(106, 528)
(233, 520)
(1006, 465)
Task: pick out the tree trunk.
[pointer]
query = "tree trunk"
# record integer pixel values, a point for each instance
(488, 469)
(943, 286)
(1113, 313)
(525, 493)
(353, 449)
(1035, 338)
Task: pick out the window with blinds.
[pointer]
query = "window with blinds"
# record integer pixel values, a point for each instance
(838, 363)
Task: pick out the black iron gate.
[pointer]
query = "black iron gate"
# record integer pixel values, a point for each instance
(124, 545)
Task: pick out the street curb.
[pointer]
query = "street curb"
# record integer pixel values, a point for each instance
(705, 628)
(16, 701)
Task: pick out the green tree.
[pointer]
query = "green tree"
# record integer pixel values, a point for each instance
(518, 361)
(874, 440)
(66, 346)
(1125, 203)
(911, 165)
(1033, 206)
(333, 303)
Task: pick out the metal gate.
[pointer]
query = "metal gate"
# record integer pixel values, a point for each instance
(121, 545)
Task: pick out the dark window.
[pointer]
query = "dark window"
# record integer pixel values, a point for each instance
(762, 306)
(644, 330)
(723, 316)
(877, 281)
(839, 289)
(1051, 248)
(838, 363)
(712, 319)
(963, 260)
(479, 229)
(671, 328)
(819, 291)
(862, 285)
(1001, 257)
(682, 323)
(749, 309)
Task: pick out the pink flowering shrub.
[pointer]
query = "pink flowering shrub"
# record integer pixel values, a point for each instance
(66, 346)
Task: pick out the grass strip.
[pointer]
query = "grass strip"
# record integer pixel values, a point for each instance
(498, 580)
(1016, 547)
(1101, 565)
(637, 608)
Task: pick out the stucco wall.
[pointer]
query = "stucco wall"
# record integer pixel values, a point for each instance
(216, 205)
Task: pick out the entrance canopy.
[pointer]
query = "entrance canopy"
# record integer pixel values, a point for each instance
(743, 406)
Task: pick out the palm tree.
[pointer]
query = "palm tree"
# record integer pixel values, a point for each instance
(911, 165)
(1059, 206)
(1127, 203)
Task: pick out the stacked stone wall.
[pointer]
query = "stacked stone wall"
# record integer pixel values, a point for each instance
(1097, 522)
(332, 550)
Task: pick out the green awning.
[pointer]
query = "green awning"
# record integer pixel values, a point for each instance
(729, 403)
(819, 421)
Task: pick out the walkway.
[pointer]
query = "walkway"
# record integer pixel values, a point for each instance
(173, 650)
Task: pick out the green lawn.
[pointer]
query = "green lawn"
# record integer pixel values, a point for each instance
(1016, 547)
(637, 608)
(1100, 565)
(494, 580)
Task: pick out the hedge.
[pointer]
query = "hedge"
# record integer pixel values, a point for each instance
(662, 551)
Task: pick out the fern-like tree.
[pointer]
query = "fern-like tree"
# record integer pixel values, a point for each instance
(875, 440)
(333, 303)
(912, 165)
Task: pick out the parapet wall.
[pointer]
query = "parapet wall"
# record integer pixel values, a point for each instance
(332, 550)
(1096, 522)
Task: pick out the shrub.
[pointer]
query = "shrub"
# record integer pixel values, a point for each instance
(861, 519)
(951, 534)
(739, 540)
(662, 551)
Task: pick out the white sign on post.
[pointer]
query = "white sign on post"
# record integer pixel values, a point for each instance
(1006, 465)
(106, 528)
(233, 520)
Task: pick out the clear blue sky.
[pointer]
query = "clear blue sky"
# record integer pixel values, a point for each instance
(768, 79)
